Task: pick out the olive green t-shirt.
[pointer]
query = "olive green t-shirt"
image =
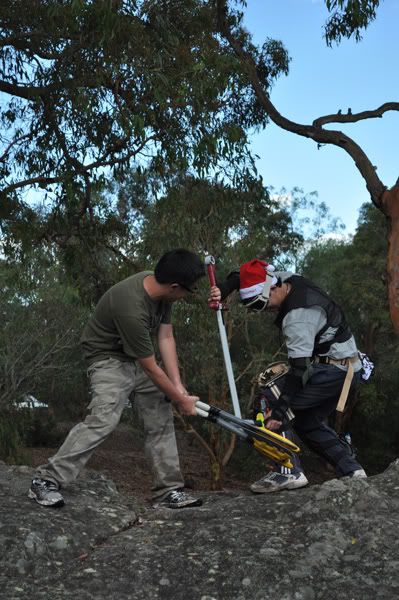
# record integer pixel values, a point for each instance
(124, 322)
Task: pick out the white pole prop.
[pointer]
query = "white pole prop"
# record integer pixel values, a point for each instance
(210, 263)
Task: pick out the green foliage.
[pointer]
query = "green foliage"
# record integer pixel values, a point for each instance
(358, 264)
(92, 90)
(42, 323)
(353, 272)
(308, 216)
(105, 84)
(206, 215)
(10, 440)
(39, 428)
(92, 85)
(348, 18)
(26, 428)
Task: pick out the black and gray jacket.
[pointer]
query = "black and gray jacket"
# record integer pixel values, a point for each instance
(312, 325)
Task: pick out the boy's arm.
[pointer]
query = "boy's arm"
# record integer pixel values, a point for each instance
(222, 289)
(167, 349)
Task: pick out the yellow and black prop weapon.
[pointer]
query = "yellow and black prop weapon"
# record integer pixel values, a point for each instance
(267, 442)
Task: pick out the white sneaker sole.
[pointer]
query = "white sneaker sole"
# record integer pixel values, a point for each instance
(292, 485)
(188, 504)
(57, 503)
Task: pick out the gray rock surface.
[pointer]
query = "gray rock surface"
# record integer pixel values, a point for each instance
(333, 541)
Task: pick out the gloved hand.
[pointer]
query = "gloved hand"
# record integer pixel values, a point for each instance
(299, 373)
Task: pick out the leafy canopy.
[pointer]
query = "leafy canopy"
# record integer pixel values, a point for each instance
(94, 85)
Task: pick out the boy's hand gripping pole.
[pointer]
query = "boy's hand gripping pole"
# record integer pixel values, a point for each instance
(210, 265)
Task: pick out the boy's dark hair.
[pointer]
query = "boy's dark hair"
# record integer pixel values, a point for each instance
(179, 266)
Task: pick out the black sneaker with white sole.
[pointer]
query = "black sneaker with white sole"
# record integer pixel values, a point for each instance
(45, 492)
(178, 499)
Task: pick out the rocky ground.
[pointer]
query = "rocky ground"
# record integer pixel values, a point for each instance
(331, 540)
(325, 542)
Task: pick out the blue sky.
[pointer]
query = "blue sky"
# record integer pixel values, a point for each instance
(322, 80)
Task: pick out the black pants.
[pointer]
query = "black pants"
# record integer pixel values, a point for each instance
(312, 406)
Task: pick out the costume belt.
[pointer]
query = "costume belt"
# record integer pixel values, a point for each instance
(344, 362)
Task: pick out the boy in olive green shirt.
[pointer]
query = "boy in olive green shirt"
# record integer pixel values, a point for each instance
(117, 343)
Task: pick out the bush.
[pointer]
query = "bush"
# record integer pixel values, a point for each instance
(26, 428)
(10, 438)
(40, 429)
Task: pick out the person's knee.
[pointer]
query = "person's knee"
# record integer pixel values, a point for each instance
(104, 420)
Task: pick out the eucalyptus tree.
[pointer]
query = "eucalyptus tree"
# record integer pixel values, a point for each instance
(90, 89)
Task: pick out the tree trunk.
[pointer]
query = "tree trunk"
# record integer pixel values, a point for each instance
(216, 466)
(390, 206)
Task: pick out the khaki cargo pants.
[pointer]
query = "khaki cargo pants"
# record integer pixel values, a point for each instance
(112, 382)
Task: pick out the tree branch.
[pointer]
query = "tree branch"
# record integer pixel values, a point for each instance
(352, 118)
(11, 144)
(26, 91)
(120, 254)
(41, 180)
(188, 428)
(374, 185)
(102, 162)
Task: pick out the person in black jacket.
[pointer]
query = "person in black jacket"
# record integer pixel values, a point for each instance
(323, 360)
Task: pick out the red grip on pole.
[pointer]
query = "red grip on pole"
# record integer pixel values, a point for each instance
(211, 275)
(210, 265)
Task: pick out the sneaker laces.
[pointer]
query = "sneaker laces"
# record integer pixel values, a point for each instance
(278, 477)
(177, 495)
(270, 476)
(48, 485)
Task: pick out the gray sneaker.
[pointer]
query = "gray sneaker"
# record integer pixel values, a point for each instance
(274, 482)
(45, 492)
(178, 499)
